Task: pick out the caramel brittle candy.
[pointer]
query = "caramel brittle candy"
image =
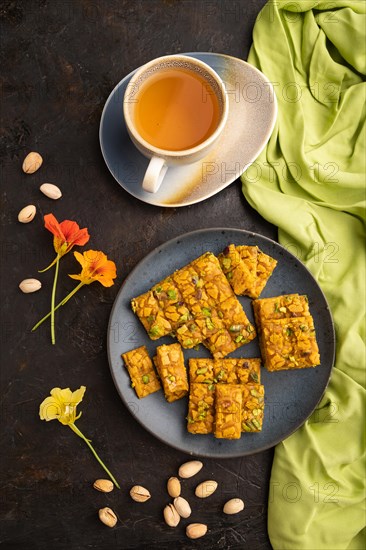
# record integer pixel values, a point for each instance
(141, 371)
(228, 411)
(280, 307)
(170, 303)
(201, 409)
(265, 267)
(151, 315)
(289, 343)
(240, 273)
(169, 362)
(247, 269)
(252, 408)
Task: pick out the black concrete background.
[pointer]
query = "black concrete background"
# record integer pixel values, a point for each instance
(60, 61)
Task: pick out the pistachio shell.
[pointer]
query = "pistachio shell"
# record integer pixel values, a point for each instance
(51, 191)
(233, 506)
(206, 488)
(171, 516)
(30, 285)
(190, 469)
(139, 494)
(196, 530)
(32, 162)
(108, 517)
(173, 487)
(27, 213)
(182, 506)
(103, 485)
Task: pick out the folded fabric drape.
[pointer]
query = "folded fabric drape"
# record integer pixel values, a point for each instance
(310, 182)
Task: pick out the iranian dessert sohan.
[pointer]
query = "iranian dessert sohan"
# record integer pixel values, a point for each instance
(206, 409)
(196, 304)
(286, 332)
(247, 269)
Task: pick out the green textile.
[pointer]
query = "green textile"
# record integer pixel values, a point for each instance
(310, 182)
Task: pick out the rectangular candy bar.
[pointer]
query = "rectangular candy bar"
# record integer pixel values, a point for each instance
(169, 362)
(289, 343)
(189, 335)
(186, 280)
(220, 343)
(201, 371)
(215, 290)
(240, 273)
(201, 410)
(228, 411)
(280, 307)
(207, 266)
(151, 315)
(252, 407)
(236, 322)
(248, 371)
(249, 256)
(141, 371)
(247, 269)
(171, 303)
(214, 282)
(225, 371)
(265, 267)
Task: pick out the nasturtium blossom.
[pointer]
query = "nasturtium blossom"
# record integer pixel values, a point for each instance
(95, 267)
(65, 234)
(61, 405)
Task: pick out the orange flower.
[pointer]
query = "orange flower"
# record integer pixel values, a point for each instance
(95, 267)
(66, 234)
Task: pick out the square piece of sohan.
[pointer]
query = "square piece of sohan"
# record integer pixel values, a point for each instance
(140, 368)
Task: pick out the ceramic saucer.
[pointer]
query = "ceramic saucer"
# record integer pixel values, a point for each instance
(252, 115)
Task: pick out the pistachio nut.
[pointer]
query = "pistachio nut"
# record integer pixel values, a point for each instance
(139, 494)
(182, 506)
(103, 485)
(51, 191)
(196, 530)
(32, 162)
(30, 285)
(233, 506)
(171, 516)
(190, 469)
(108, 517)
(206, 488)
(27, 214)
(173, 487)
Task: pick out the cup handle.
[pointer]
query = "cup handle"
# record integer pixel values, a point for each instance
(154, 175)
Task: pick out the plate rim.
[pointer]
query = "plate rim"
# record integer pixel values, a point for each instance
(231, 180)
(188, 235)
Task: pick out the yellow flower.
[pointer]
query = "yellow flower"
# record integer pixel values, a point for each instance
(61, 405)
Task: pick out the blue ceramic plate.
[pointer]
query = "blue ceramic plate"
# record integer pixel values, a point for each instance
(290, 396)
(252, 115)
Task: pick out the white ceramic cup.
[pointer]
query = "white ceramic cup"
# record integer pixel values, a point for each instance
(161, 159)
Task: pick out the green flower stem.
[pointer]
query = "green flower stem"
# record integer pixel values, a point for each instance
(49, 266)
(63, 302)
(53, 339)
(87, 441)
